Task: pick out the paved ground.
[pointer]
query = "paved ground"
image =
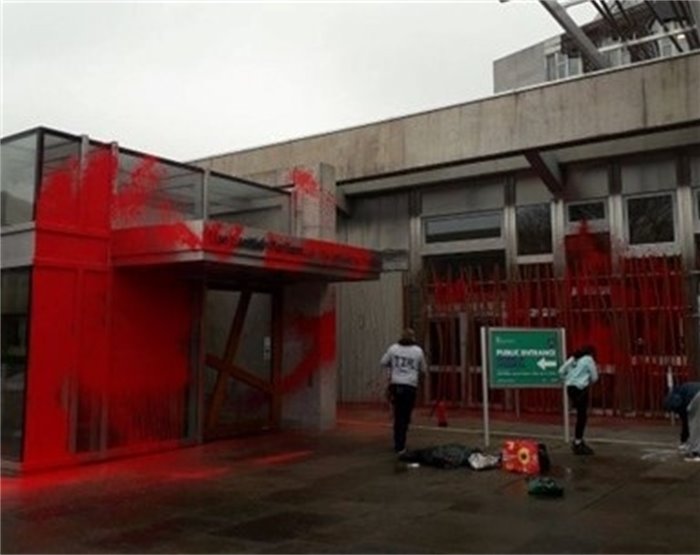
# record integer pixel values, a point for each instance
(343, 492)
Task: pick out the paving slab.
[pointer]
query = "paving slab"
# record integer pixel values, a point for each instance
(343, 491)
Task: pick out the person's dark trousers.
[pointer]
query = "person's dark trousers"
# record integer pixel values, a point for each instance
(579, 400)
(403, 398)
(685, 431)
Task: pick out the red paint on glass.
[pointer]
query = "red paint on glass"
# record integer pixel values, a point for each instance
(110, 349)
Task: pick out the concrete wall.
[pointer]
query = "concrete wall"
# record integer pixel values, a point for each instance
(521, 69)
(623, 100)
(365, 329)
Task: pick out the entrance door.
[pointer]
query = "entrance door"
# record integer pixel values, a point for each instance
(242, 366)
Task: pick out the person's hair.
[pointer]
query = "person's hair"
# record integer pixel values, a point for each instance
(408, 336)
(583, 351)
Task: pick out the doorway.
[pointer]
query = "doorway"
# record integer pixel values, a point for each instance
(242, 364)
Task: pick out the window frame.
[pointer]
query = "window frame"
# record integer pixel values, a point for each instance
(665, 247)
(462, 245)
(541, 257)
(595, 226)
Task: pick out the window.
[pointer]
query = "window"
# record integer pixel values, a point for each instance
(588, 211)
(574, 66)
(534, 229)
(477, 225)
(475, 265)
(15, 330)
(18, 179)
(650, 219)
(560, 66)
(551, 64)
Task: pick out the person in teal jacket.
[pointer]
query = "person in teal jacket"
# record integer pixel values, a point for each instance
(579, 373)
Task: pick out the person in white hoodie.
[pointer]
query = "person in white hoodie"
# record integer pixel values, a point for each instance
(405, 361)
(579, 373)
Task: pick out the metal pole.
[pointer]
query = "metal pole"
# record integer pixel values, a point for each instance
(484, 385)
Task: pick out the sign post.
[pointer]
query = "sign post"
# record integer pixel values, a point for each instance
(516, 358)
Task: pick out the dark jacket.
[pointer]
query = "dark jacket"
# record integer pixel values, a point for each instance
(680, 396)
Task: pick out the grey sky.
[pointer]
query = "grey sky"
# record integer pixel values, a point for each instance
(187, 80)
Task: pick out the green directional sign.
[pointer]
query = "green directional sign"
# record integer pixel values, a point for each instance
(525, 357)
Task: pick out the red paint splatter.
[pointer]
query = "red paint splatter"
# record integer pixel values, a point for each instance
(221, 238)
(111, 346)
(319, 335)
(295, 254)
(138, 200)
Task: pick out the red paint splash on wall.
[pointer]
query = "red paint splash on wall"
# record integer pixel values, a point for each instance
(307, 190)
(632, 312)
(109, 349)
(223, 239)
(318, 334)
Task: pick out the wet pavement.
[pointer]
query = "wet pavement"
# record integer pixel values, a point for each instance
(343, 492)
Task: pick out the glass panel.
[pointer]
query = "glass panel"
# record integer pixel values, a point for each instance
(534, 229)
(243, 406)
(574, 66)
(60, 174)
(18, 179)
(588, 211)
(551, 67)
(232, 200)
(561, 66)
(650, 220)
(463, 226)
(152, 191)
(478, 265)
(15, 331)
(58, 153)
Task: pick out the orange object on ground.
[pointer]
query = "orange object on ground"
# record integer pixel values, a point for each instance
(521, 455)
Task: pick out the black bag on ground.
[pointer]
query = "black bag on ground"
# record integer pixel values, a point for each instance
(451, 455)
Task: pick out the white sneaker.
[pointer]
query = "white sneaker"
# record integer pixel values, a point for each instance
(692, 457)
(683, 447)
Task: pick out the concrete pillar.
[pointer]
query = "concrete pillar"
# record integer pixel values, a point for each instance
(309, 359)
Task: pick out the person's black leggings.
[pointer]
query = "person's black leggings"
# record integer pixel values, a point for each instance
(579, 400)
(685, 429)
(403, 397)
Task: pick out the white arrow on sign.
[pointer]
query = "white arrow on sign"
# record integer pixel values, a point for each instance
(544, 363)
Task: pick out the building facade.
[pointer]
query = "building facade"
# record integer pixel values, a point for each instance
(148, 304)
(622, 33)
(572, 203)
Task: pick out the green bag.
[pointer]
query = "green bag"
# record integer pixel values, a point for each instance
(544, 487)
